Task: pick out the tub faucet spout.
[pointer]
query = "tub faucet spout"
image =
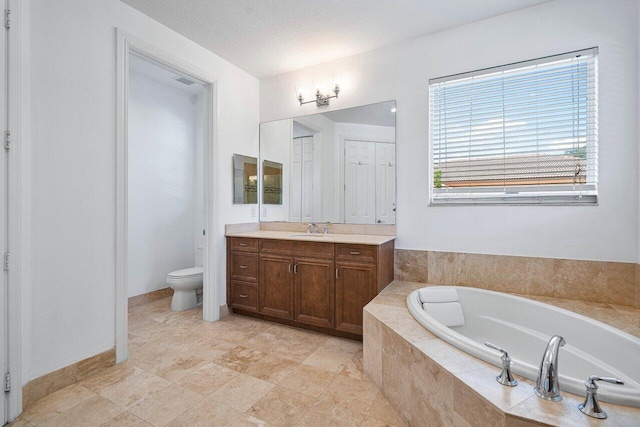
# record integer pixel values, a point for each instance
(547, 384)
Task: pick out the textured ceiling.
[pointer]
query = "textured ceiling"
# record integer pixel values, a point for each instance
(270, 37)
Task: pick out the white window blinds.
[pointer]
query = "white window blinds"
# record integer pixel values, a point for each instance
(523, 133)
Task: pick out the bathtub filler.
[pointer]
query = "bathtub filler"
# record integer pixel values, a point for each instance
(547, 384)
(468, 317)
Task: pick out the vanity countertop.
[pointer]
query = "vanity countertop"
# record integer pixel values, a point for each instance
(356, 239)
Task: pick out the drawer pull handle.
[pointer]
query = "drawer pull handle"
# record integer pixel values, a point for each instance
(337, 275)
(289, 268)
(295, 269)
(244, 296)
(355, 252)
(244, 244)
(244, 266)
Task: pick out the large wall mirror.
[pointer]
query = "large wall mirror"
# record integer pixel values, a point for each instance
(338, 166)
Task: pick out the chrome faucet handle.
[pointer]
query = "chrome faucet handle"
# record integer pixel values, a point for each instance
(326, 228)
(590, 406)
(505, 377)
(310, 227)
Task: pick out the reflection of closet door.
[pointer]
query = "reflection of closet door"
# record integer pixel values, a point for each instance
(385, 183)
(360, 182)
(307, 179)
(295, 194)
(302, 192)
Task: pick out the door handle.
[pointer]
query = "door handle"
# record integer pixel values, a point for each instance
(295, 268)
(337, 274)
(289, 268)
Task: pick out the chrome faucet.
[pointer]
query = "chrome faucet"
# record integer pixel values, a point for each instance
(547, 384)
(326, 228)
(591, 406)
(310, 227)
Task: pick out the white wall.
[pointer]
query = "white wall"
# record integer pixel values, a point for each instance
(163, 130)
(73, 170)
(606, 232)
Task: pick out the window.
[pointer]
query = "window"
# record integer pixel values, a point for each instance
(524, 133)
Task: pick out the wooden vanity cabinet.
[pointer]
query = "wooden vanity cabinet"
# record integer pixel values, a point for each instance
(317, 285)
(314, 291)
(242, 273)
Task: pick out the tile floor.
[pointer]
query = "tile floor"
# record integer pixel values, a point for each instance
(235, 372)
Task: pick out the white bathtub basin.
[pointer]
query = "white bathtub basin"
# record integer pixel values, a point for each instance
(523, 327)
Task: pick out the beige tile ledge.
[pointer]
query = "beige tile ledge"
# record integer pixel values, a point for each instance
(430, 382)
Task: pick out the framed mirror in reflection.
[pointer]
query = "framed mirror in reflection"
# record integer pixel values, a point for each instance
(245, 179)
(336, 166)
(271, 183)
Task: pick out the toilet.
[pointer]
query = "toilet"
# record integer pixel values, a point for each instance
(184, 284)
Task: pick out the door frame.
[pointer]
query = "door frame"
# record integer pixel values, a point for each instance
(128, 44)
(16, 120)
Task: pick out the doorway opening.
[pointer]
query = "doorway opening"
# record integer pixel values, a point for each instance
(165, 196)
(165, 182)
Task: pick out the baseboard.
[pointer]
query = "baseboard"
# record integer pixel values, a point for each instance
(149, 297)
(42, 386)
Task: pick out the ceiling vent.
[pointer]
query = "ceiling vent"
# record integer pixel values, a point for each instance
(184, 80)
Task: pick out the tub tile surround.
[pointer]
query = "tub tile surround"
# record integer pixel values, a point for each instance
(449, 387)
(596, 281)
(239, 371)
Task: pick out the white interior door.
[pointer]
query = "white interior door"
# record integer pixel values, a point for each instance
(360, 182)
(295, 201)
(385, 183)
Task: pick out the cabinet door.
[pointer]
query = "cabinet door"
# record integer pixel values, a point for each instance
(276, 286)
(355, 287)
(314, 289)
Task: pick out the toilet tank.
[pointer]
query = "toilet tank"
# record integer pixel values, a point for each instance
(199, 256)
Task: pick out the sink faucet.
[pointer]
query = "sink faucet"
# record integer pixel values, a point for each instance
(547, 385)
(326, 228)
(310, 227)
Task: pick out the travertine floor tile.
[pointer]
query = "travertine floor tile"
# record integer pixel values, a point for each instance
(93, 411)
(237, 372)
(308, 380)
(242, 392)
(207, 378)
(207, 413)
(57, 403)
(141, 385)
(126, 419)
(164, 406)
(281, 407)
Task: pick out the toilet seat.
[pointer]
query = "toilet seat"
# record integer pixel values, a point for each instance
(186, 273)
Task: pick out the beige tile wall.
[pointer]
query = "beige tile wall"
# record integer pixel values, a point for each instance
(596, 281)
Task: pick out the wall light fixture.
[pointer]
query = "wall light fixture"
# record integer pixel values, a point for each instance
(320, 99)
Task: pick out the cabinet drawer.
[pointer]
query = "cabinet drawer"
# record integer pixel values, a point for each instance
(244, 266)
(245, 296)
(297, 248)
(360, 253)
(243, 244)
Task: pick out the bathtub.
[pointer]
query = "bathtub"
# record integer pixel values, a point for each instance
(523, 327)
